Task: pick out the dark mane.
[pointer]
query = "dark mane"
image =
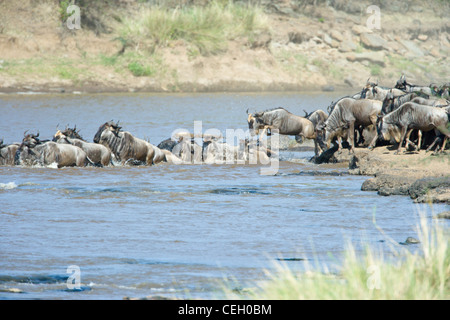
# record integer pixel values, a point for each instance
(258, 114)
(72, 133)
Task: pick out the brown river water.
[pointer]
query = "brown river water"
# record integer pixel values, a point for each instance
(176, 230)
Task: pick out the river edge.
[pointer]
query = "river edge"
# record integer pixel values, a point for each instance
(424, 177)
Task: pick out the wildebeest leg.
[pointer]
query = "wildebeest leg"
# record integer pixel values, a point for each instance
(402, 138)
(443, 144)
(419, 142)
(264, 132)
(351, 136)
(374, 141)
(436, 140)
(408, 142)
(444, 130)
(316, 147)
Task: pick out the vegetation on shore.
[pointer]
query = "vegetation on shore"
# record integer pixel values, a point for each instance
(423, 274)
(206, 29)
(209, 45)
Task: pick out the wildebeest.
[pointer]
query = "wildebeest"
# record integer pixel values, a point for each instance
(347, 115)
(431, 102)
(217, 151)
(411, 116)
(186, 148)
(7, 153)
(284, 122)
(35, 152)
(127, 148)
(391, 102)
(97, 153)
(375, 92)
(407, 87)
(318, 118)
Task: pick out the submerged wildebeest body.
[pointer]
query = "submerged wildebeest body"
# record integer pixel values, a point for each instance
(34, 152)
(283, 122)
(97, 153)
(127, 148)
(7, 153)
(186, 148)
(412, 116)
(347, 115)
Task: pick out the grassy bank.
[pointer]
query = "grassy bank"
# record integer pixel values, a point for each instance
(206, 29)
(424, 274)
(219, 45)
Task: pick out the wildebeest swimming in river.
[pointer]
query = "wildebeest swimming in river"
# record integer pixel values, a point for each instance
(129, 149)
(97, 153)
(284, 122)
(35, 152)
(7, 153)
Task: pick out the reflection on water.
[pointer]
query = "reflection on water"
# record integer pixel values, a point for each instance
(174, 230)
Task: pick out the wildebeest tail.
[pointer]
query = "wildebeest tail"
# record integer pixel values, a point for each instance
(89, 162)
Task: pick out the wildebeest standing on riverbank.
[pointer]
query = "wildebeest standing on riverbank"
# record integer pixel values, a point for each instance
(347, 115)
(414, 116)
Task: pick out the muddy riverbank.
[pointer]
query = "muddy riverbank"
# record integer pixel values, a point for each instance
(425, 177)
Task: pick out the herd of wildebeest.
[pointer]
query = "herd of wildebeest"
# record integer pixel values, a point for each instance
(411, 116)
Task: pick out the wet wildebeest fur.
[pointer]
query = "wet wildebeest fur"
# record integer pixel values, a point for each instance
(284, 122)
(127, 148)
(7, 153)
(97, 153)
(35, 152)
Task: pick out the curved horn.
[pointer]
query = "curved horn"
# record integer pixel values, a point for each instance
(25, 133)
(306, 113)
(247, 111)
(37, 135)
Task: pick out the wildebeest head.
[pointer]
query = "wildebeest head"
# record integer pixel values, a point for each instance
(59, 136)
(370, 86)
(387, 131)
(401, 83)
(109, 126)
(30, 140)
(72, 133)
(255, 122)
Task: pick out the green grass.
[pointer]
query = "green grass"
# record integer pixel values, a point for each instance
(140, 70)
(207, 28)
(45, 67)
(375, 69)
(420, 274)
(402, 63)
